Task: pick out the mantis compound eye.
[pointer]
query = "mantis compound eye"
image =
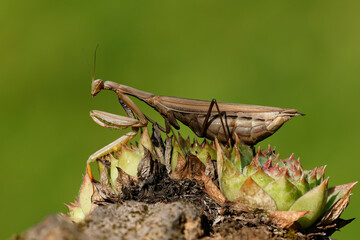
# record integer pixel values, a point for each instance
(96, 86)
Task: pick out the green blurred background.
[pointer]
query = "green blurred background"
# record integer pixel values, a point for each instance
(296, 54)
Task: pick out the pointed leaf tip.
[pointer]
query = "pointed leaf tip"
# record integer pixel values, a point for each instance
(145, 142)
(338, 192)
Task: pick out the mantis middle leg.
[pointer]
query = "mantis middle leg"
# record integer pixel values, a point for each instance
(206, 122)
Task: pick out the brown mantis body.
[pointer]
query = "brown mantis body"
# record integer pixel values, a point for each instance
(250, 123)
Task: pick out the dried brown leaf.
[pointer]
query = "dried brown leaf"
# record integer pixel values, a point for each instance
(210, 168)
(189, 168)
(220, 159)
(179, 171)
(124, 180)
(286, 219)
(103, 189)
(158, 143)
(236, 206)
(213, 191)
(335, 211)
(168, 150)
(145, 167)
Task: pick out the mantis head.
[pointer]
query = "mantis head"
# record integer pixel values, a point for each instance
(96, 86)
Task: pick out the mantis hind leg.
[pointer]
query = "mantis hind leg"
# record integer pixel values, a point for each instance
(224, 125)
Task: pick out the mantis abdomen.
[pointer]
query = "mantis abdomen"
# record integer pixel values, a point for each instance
(249, 129)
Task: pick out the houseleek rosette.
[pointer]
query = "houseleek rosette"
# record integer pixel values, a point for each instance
(231, 175)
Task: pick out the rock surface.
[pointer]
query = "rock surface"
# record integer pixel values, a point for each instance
(139, 220)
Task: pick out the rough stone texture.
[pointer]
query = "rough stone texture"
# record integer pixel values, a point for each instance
(176, 220)
(136, 220)
(54, 227)
(130, 220)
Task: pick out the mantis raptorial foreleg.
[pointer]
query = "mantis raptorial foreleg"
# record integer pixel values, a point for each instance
(110, 120)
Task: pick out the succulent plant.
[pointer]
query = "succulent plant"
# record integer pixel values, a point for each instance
(277, 186)
(231, 175)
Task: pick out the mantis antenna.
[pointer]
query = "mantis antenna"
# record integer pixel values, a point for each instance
(96, 48)
(92, 73)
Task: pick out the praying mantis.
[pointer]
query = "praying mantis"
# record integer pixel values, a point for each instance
(209, 119)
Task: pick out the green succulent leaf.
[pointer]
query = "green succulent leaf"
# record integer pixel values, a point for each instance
(261, 178)
(250, 169)
(283, 192)
(254, 197)
(114, 173)
(231, 180)
(175, 154)
(85, 195)
(313, 201)
(246, 154)
(76, 214)
(302, 184)
(203, 153)
(236, 158)
(129, 161)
